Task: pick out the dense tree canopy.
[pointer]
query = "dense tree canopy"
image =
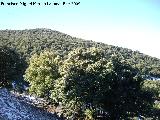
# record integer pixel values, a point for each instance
(29, 42)
(11, 67)
(109, 85)
(41, 73)
(88, 78)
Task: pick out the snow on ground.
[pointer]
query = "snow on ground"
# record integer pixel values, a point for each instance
(14, 108)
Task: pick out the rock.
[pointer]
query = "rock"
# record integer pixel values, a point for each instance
(14, 108)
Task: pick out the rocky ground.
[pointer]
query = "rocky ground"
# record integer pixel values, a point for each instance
(16, 107)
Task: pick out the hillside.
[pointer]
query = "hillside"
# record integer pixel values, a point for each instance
(14, 108)
(85, 78)
(28, 42)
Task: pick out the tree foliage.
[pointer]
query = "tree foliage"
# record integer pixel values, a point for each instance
(29, 42)
(154, 87)
(11, 67)
(42, 72)
(96, 77)
(91, 82)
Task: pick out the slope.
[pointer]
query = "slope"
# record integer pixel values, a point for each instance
(28, 42)
(13, 108)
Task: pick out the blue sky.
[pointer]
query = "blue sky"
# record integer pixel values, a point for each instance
(133, 24)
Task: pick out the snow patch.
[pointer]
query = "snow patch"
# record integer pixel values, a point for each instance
(14, 108)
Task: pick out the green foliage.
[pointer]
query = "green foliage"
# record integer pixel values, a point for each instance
(42, 72)
(11, 67)
(89, 77)
(85, 76)
(29, 42)
(154, 87)
(89, 114)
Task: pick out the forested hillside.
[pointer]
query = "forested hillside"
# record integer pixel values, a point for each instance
(85, 79)
(28, 42)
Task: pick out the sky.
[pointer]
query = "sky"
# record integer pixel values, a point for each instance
(133, 24)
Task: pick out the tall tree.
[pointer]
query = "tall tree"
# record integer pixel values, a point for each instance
(41, 73)
(11, 67)
(91, 83)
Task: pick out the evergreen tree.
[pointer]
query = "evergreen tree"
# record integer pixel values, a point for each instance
(42, 72)
(91, 83)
